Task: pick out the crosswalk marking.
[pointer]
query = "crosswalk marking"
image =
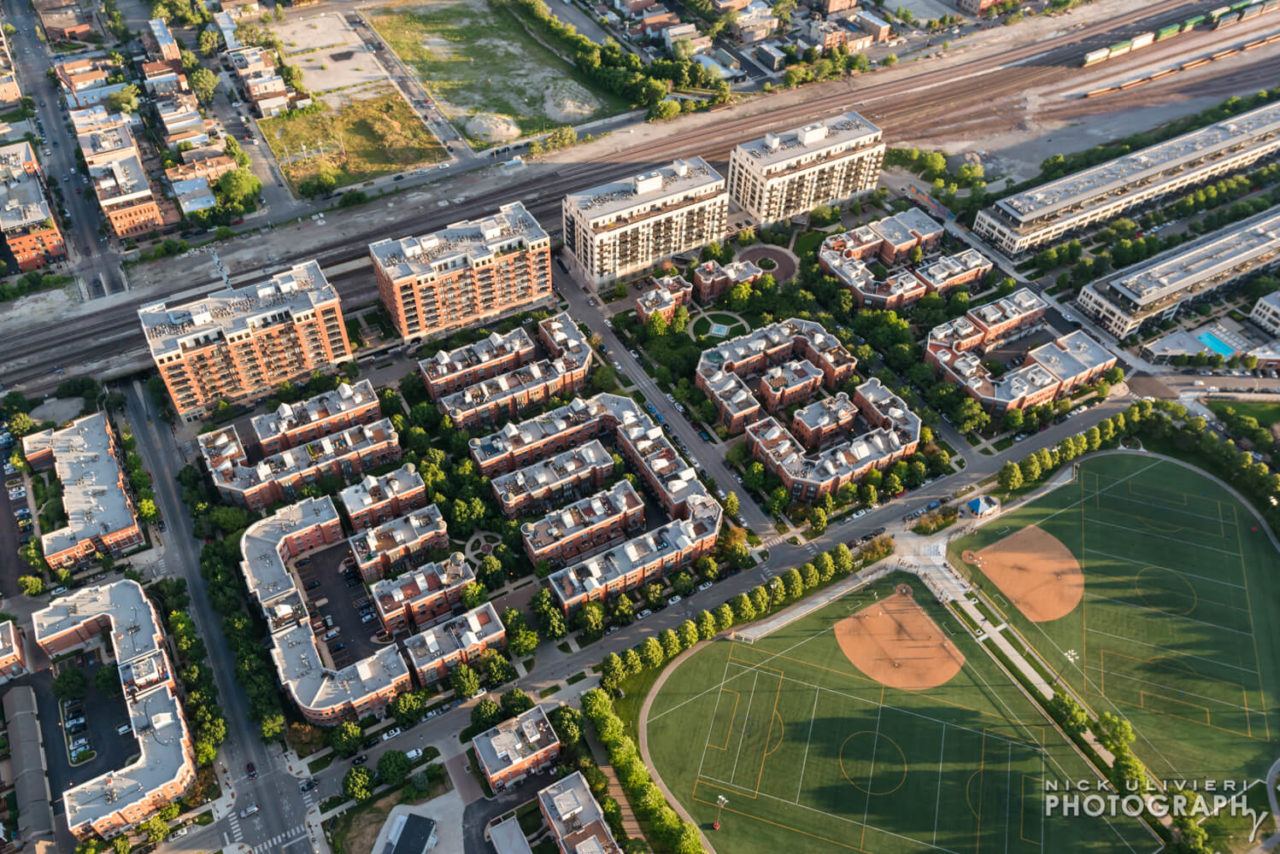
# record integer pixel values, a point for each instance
(281, 840)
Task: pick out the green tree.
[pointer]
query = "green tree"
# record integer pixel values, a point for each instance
(591, 618)
(71, 683)
(724, 616)
(743, 608)
(209, 42)
(612, 672)
(345, 738)
(473, 596)
(31, 585)
(21, 424)
(731, 505)
(393, 767)
(515, 702)
(155, 829)
(485, 713)
(826, 566)
(125, 100)
(239, 187)
(651, 653)
(408, 707)
(523, 641)
(671, 645)
(1010, 476)
(465, 681)
(707, 627)
(567, 722)
(147, 512)
(204, 83)
(794, 583)
(358, 784)
(818, 520)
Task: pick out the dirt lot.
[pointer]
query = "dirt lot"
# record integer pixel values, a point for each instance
(1035, 571)
(332, 57)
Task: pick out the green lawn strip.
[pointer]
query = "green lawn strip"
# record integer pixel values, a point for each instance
(1266, 412)
(807, 244)
(786, 729)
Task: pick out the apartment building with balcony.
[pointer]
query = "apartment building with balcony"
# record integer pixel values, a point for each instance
(237, 344)
(281, 476)
(505, 395)
(577, 823)
(516, 748)
(436, 651)
(780, 175)
(100, 514)
(294, 424)
(548, 482)
(1266, 313)
(892, 432)
(421, 597)
(31, 235)
(324, 695)
(711, 279)
(642, 559)
(888, 240)
(666, 295)
(723, 370)
(627, 226)
(584, 526)
(1044, 214)
(118, 622)
(1158, 288)
(465, 274)
(491, 356)
(373, 500)
(392, 547)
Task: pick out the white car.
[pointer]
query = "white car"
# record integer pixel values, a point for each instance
(706, 585)
(391, 733)
(674, 600)
(413, 755)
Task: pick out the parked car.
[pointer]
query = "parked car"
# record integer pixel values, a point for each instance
(674, 600)
(124, 729)
(414, 755)
(332, 633)
(391, 733)
(359, 759)
(706, 585)
(645, 613)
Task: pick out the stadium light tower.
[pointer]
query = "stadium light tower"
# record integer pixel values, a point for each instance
(721, 800)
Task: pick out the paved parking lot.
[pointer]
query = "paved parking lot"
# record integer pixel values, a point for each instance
(103, 715)
(322, 572)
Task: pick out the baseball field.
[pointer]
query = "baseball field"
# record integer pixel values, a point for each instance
(1151, 589)
(873, 724)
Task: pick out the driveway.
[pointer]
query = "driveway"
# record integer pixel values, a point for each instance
(479, 813)
(464, 782)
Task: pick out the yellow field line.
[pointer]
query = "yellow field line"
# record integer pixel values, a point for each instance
(733, 717)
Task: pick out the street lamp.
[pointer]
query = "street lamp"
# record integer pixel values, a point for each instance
(721, 800)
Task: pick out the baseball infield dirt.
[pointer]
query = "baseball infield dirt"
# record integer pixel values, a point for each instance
(896, 643)
(1036, 572)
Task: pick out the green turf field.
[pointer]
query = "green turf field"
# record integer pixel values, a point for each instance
(1177, 628)
(814, 756)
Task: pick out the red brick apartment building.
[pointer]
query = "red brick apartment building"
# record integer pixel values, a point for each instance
(663, 298)
(391, 547)
(282, 476)
(516, 748)
(577, 823)
(422, 596)
(100, 512)
(435, 652)
(294, 424)
(548, 481)
(465, 274)
(711, 279)
(585, 525)
(117, 621)
(447, 372)
(30, 233)
(13, 653)
(374, 500)
(238, 344)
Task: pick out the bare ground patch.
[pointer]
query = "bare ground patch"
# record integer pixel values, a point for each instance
(1035, 571)
(896, 643)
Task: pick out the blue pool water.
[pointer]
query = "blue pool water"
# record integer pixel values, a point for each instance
(1216, 344)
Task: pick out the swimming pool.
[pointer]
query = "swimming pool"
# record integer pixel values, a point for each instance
(1216, 344)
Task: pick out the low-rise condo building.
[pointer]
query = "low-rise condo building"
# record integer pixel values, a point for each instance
(99, 510)
(374, 500)
(577, 823)
(31, 235)
(667, 294)
(392, 547)
(294, 424)
(548, 482)
(711, 279)
(516, 748)
(421, 597)
(495, 354)
(118, 622)
(584, 526)
(436, 651)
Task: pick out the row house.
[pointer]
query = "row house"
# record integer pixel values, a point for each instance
(435, 652)
(388, 549)
(281, 477)
(421, 597)
(663, 298)
(711, 279)
(887, 240)
(548, 481)
(374, 500)
(294, 424)
(826, 417)
(788, 383)
(585, 525)
(495, 354)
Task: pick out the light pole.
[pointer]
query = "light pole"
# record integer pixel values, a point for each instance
(721, 800)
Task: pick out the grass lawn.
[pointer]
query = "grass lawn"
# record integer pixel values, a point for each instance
(364, 139)
(1266, 413)
(807, 244)
(356, 830)
(1176, 627)
(477, 60)
(814, 755)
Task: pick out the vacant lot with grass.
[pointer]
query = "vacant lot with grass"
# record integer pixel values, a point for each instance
(490, 77)
(362, 139)
(1176, 627)
(813, 754)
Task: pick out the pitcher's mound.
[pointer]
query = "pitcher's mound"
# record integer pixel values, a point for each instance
(896, 643)
(1036, 572)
